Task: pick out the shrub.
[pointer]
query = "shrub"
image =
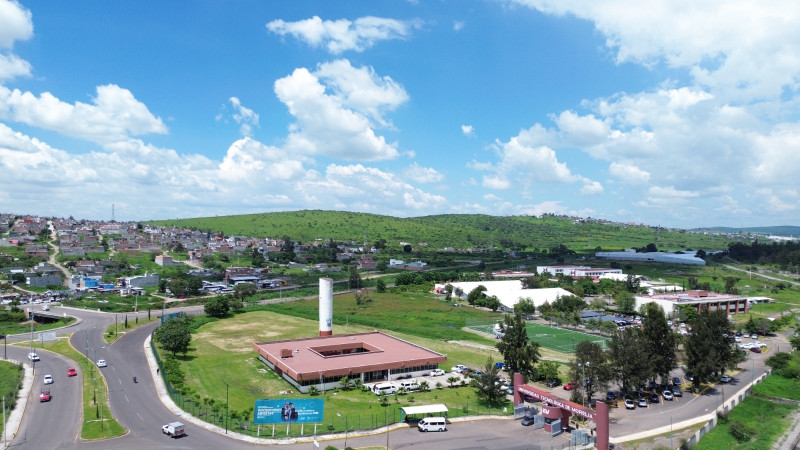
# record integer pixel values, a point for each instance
(741, 431)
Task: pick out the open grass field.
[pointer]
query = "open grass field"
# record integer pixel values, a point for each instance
(221, 353)
(767, 420)
(10, 381)
(558, 339)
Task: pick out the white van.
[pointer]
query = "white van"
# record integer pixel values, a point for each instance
(384, 389)
(409, 385)
(432, 424)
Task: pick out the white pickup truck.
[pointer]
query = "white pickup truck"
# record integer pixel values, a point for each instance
(173, 429)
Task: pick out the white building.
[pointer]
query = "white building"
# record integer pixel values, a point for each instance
(509, 292)
(576, 271)
(664, 257)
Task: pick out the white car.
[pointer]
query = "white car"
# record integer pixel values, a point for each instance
(101, 363)
(33, 357)
(48, 379)
(437, 372)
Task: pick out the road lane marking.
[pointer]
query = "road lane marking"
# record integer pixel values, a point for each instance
(140, 416)
(126, 397)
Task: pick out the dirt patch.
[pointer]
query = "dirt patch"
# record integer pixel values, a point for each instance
(234, 335)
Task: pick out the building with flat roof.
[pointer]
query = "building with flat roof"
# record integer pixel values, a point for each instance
(577, 271)
(323, 361)
(701, 300)
(509, 292)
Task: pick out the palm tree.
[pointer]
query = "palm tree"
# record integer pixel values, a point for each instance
(424, 386)
(439, 385)
(452, 380)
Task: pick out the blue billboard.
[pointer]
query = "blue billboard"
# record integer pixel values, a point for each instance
(297, 410)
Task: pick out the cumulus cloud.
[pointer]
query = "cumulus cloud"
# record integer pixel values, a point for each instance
(739, 49)
(420, 174)
(344, 35)
(114, 115)
(628, 173)
(458, 25)
(468, 130)
(12, 66)
(245, 117)
(15, 23)
(339, 123)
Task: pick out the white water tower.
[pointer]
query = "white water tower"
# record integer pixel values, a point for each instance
(325, 306)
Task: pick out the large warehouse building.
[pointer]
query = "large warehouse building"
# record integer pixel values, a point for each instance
(701, 300)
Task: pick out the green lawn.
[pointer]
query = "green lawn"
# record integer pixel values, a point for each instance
(558, 339)
(222, 352)
(767, 420)
(10, 383)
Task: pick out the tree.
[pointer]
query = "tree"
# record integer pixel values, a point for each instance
(174, 335)
(355, 278)
(525, 306)
(382, 266)
(628, 353)
(217, 307)
(407, 248)
(362, 297)
(661, 341)
(244, 290)
(476, 294)
(708, 351)
(546, 370)
(626, 302)
(591, 362)
(380, 286)
(519, 354)
(487, 391)
(632, 284)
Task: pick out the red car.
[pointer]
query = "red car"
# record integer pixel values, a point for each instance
(71, 372)
(44, 396)
(570, 386)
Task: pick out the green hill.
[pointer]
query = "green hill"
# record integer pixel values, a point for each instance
(459, 231)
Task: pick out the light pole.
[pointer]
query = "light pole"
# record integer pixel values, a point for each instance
(95, 353)
(226, 407)
(345, 429)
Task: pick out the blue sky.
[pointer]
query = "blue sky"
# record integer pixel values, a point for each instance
(680, 114)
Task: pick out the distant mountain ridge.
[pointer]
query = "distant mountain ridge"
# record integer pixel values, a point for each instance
(784, 230)
(456, 231)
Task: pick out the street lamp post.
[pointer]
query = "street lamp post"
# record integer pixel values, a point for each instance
(226, 407)
(346, 427)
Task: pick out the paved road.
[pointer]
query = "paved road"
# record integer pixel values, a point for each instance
(49, 424)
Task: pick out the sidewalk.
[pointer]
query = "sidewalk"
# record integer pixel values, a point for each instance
(15, 418)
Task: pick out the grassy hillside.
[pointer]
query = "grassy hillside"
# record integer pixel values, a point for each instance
(452, 230)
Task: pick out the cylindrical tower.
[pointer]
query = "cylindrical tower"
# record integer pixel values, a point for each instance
(325, 306)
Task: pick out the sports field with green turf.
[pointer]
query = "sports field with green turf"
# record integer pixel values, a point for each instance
(558, 339)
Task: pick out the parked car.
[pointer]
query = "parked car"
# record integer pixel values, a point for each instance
(437, 372)
(48, 379)
(71, 372)
(33, 357)
(629, 403)
(676, 381)
(755, 349)
(527, 421)
(477, 373)
(553, 382)
(610, 396)
(667, 394)
(570, 386)
(101, 363)
(641, 402)
(676, 391)
(654, 398)
(725, 378)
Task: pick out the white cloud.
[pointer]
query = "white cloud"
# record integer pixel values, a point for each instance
(12, 66)
(15, 23)
(581, 130)
(740, 49)
(458, 25)
(468, 130)
(114, 115)
(339, 124)
(245, 117)
(344, 35)
(420, 174)
(591, 188)
(628, 173)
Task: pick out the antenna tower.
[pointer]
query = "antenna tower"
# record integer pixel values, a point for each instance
(112, 213)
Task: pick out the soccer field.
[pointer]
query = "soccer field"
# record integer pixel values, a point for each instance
(557, 339)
